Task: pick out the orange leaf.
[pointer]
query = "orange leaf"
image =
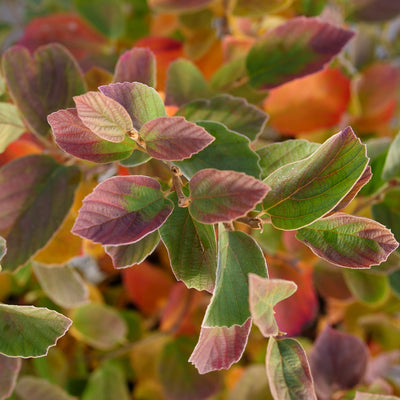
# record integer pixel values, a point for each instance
(211, 60)
(19, 148)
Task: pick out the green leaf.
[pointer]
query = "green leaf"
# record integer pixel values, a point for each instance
(238, 255)
(391, 168)
(9, 368)
(239, 158)
(11, 125)
(36, 194)
(192, 248)
(304, 191)
(234, 112)
(288, 371)
(394, 282)
(137, 157)
(255, 8)
(264, 295)
(349, 241)
(28, 331)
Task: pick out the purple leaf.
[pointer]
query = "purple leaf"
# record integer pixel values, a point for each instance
(122, 210)
(220, 347)
(222, 196)
(136, 65)
(9, 370)
(174, 138)
(74, 137)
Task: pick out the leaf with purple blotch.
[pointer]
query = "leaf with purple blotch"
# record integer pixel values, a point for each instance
(122, 210)
(34, 388)
(299, 47)
(9, 370)
(349, 241)
(223, 196)
(42, 83)
(263, 295)
(104, 116)
(288, 371)
(136, 65)
(220, 347)
(338, 361)
(74, 137)
(35, 192)
(142, 102)
(127, 255)
(174, 138)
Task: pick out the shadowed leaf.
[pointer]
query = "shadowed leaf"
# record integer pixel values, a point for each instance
(9, 370)
(370, 396)
(33, 388)
(374, 10)
(222, 196)
(137, 157)
(11, 125)
(178, 5)
(41, 327)
(391, 167)
(122, 210)
(220, 347)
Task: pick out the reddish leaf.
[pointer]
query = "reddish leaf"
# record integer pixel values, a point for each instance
(220, 347)
(122, 210)
(9, 370)
(174, 138)
(136, 65)
(338, 361)
(222, 196)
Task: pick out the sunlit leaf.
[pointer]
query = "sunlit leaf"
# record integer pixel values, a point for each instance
(173, 138)
(178, 5)
(9, 370)
(391, 167)
(288, 371)
(35, 192)
(11, 125)
(255, 8)
(220, 347)
(28, 331)
(263, 295)
(296, 48)
(122, 210)
(222, 196)
(42, 83)
(304, 191)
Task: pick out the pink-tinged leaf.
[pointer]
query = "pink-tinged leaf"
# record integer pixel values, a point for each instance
(178, 5)
(349, 241)
(42, 83)
(122, 210)
(370, 396)
(222, 196)
(74, 137)
(220, 347)
(263, 296)
(103, 116)
(338, 361)
(33, 388)
(136, 65)
(9, 370)
(174, 138)
(302, 45)
(142, 102)
(288, 371)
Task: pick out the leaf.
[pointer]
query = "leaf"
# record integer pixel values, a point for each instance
(192, 248)
(222, 196)
(62, 284)
(173, 138)
(220, 347)
(238, 255)
(263, 295)
(391, 168)
(288, 371)
(122, 210)
(28, 331)
(104, 116)
(136, 65)
(185, 83)
(181, 380)
(304, 191)
(370, 396)
(374, 10)
(338, 361)
(9, 370)
(294, 49)
(240, 157)
(99, 326)
(141, 102)
(234, 112)
(178, 5)
(255, 8)
(74, 137)
(130, 254)
(137, 158)
(11, 125)
(3, 248)
(349, 241)
(42, 83)
(33, 388)
(35, 192)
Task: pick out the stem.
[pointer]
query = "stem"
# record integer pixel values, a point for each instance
(183, 201)
(229, 226)
(255, 222)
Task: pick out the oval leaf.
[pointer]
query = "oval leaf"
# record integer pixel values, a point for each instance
(9, 370)
(33, 388)
(122, 210)
(222, 196)
(28, 331)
